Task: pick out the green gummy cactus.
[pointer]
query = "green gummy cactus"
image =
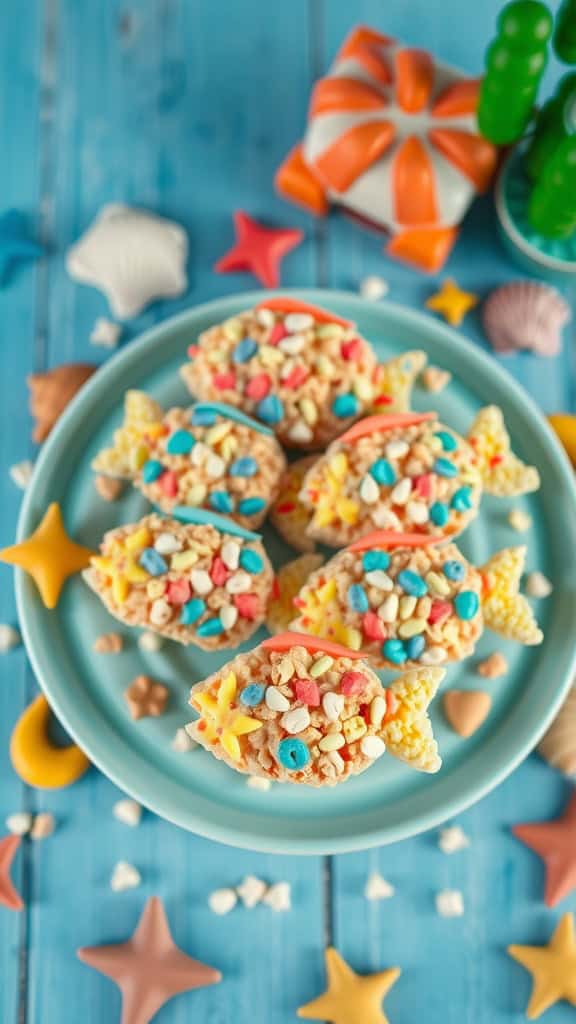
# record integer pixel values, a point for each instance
(515, 63)
(565, 32)
(556, 120)
(552, 207)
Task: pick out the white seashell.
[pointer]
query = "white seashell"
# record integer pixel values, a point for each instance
(558, 747)
(525, 315)
(133, 256)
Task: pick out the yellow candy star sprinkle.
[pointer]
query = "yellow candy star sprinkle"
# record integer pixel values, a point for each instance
(49, 556)
(350, 998)
(121, 566)
(289, 580)
(326, 494)
(553, 968)
(221, 720)
(505, 610)
(407, 733)
(503, 473)
(142, 419)
(395, 380)
(452, 302)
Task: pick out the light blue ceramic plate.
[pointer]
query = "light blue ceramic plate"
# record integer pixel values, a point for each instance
(199, 793)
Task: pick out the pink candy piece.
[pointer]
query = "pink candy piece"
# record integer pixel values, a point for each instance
(373, 626)
(258, 387)
(439, 610)
(247, 605)
(422, 485)
(352, 349)
(296, 377)
(192, 351)
(169, 483)
(307, 691)
(218, 572)
(224, 381)
(178, 591)
(277, 333)
(352, 684)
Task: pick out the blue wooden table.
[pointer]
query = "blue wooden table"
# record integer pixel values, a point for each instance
(187, 107)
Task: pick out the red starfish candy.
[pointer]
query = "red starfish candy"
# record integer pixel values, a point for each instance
(258, 250)
(8, 895)
(555, 842)
(149, 969)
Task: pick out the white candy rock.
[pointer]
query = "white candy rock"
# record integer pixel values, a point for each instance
(453, 839)
(105, 333)
(21, 473)
(538, 585)
(125, 876)
(258, 783)
(222, 901)
(19, 824)
(133, 256)
(129, 812)
(42, 826)
(373, 288)
(377, 888)
(150, 642)
(9, 638)
(182, 743)
(251, 891)
(278, 897)
(450, 903)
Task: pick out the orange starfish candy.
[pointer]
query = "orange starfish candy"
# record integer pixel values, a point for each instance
(555, 842)
(258, 250)
(49, 555)
(452, 303)
(8, 895)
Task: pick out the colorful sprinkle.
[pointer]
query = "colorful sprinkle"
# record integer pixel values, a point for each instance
(394, 651)
(462, 499)
(246, 466)
(221, 501)
(180, 442)
(224, 381)
(258, 387)
(244, 350)
(415, 646)
(152, 562)
(439, 513)
(218, 572)
(151, 470)
(178, 591)
(412, 583)
(251, 506)
(466, 604)
(454, 571)
(352, 349)
(251, 561)
(203, 417)
(211, 627)
(373, 627)
(375, 560)
(383, 472)
(252, 695)
(192, 611)
(293, 754)
(443, 467)
(352, 684)
(345, 406)
(357, 599)
(169, 483)
(307, 691)
(448, 442)
(247, 605)
(270, 409)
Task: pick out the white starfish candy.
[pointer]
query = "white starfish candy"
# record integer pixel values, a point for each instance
(133, 256)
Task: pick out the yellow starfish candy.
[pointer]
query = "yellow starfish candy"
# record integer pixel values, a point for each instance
(122, 567)
(452, 302)
(553, 968)
(223, 721)
(350, 998)
(49, 556)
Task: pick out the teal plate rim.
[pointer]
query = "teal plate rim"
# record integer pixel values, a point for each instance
(133, 774)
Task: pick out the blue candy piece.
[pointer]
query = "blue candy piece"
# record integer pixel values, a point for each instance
(205, 517)
(412, 583)
(394, 651)
(439, 514)
(448, 442)
(357, 598)
(210, 627)
(454, 570)
(191, 611)
(270, 409)
(221, 501)
(244, 350)
(344, 406)
(203, 416)
(372, 560)
(252, 695)
(151, 470)
(251, 506)
(180, 443)
(230, 413)
(445, 468)
(466, 604)
(293, 754)
(246, 466)
(415, 647)
(462, 499)
(251, 561)
(152, 562)
(383, 472)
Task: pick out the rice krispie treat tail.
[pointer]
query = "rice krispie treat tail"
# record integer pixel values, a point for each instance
(394, 381)
(288, 513)
(302, 370)
(205, 581)
(211, 456)
(288, 582)
(503, 473)
(404, 472)
(298, 709)
(402, 600)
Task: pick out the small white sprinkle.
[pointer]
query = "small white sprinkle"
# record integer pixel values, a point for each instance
(251, 891)
(417, 512)
(369, 490)
(167, 544)
(397, 449)
(9, 638)
(453, 839)
(182, 743)
(401, 492)
(433, 656)
(42, 826)
(239, 583)
(265, 317)
(379, 579)
(373, 288)
(450, 903)
(256, 782)
(201, 582)
(125, 876)
(199, 454)
(21, 473)
(295, 721)
(275, 699)
(222, 901)
(160, 612)
(150, 642)
(105, 332)
(294, 322)
(215, 467)
(19, 824)
(230, 554)
(228, 616)
(333, 705)
(129, 812)
(300, 432)
(538, 585)
(385, 518)
(278, 897)
(435, 379)
(372, 747)
(377, 888)
(519, 520)
(293, 344)
(388, 610)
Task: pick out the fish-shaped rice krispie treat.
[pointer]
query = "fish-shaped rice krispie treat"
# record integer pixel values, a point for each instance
(298, 709)
(402, 599)
(205, 582)
(302, 370)
(208, 456)
(411, 473)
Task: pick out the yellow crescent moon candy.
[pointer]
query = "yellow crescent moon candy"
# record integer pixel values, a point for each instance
(37, 760)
